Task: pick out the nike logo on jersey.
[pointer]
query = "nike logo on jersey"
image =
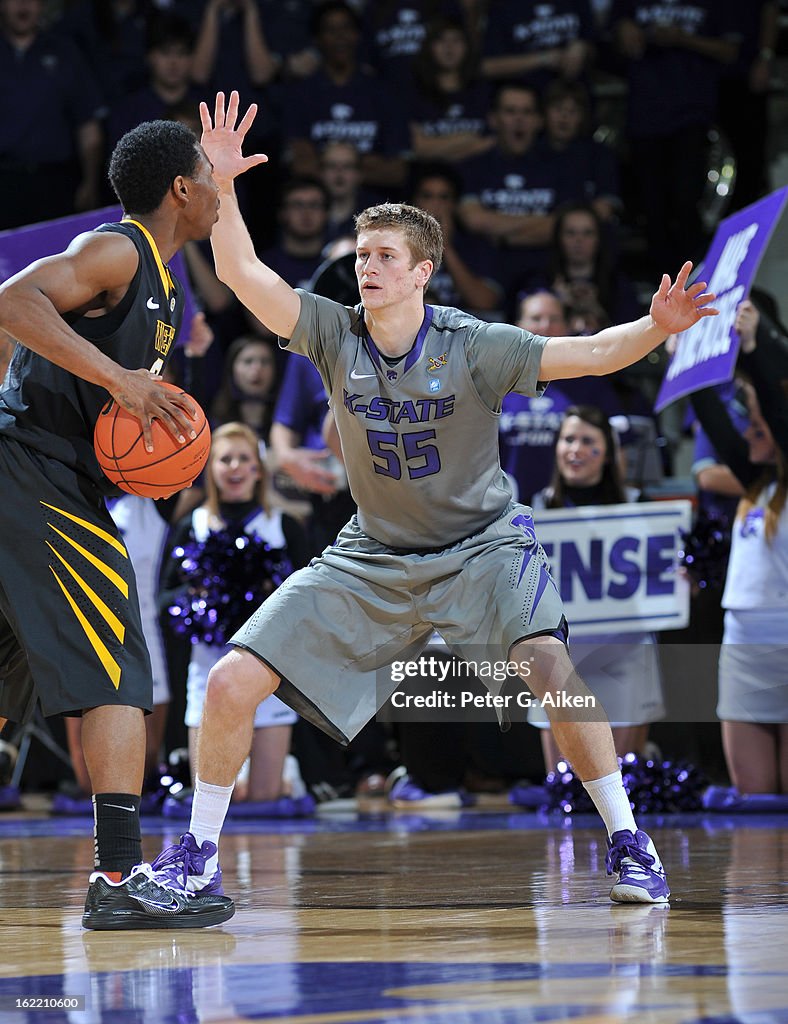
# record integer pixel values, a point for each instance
(121, 807)
(151, 304)
(359, 376)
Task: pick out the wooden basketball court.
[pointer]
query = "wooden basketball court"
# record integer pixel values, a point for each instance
(453, 918)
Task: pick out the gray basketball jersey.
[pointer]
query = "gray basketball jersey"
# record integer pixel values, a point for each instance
(420, 438)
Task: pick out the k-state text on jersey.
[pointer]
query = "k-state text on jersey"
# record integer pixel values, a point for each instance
(419, 410)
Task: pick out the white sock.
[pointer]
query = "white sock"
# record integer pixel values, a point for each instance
(611, 800)
(209, 808)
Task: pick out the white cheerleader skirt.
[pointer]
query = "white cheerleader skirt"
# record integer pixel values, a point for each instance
(270, 711)
(753, 668)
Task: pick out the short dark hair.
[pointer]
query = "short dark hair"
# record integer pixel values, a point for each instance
(146, 161)
(420, 172)
(166, 30)
(559, 90)
(301, 184)
(512, 85)
(323, 10)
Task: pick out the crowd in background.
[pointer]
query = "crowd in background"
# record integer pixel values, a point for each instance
(572, 151)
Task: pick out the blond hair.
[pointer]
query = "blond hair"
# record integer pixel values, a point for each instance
(774, 506)
(232, 432)
(422, 232)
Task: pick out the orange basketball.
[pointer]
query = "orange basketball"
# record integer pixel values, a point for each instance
(171, 466)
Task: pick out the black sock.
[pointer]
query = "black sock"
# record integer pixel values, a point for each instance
(117, 843)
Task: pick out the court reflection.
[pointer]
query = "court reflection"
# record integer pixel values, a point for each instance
(462, 920)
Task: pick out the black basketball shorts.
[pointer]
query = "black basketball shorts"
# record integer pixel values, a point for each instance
(70, 630)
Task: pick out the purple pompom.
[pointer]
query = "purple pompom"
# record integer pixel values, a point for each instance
(653, 787)
(705, 550)
(225, 579)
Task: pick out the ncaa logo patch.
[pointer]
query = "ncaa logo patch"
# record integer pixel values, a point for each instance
(434, 384)
(433, 364)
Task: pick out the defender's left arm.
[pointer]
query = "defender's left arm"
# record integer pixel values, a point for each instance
(674, 308)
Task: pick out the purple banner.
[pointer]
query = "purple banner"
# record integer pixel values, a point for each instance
(21, 246)
(706, 353)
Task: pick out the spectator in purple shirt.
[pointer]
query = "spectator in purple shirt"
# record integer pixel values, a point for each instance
(248, 390)
(589, 168)
(463, 278)
(582, 267)
(449, 103)
(343, 100)
(50, 110)
(397, 30)
(340, 172)
(512, 191)
(529, 426)
(302, 217)
(169, 90)
(674, 55)
(535, 42)
(232, 50)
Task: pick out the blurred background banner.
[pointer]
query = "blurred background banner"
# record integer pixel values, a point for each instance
(706, 354)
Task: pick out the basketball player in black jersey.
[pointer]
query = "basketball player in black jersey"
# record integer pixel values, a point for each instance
(94, 322)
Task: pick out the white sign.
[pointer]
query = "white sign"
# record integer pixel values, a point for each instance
(616, 566)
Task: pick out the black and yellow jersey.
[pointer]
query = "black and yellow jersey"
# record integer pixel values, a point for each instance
(49, 408)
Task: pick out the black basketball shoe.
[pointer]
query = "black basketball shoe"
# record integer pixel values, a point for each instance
(141, 901)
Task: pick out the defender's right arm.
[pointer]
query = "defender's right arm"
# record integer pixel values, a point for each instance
(258, 287)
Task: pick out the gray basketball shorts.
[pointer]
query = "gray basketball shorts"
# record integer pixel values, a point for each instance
(70, 630)
(330, 628)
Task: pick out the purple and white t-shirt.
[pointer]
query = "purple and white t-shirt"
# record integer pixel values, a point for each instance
(529, 426)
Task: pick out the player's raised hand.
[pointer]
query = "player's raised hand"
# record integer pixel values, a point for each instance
(222, 139)
(675, 307)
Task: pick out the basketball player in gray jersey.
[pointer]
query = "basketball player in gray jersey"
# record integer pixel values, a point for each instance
(438, 542)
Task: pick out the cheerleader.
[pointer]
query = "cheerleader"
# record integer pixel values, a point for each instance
(226, 557)
(753, 693)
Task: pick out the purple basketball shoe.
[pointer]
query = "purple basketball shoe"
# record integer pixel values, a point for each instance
(183, 867)
(635, 862)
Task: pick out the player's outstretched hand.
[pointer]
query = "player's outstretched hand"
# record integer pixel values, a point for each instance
(222, 140)
(675, 307)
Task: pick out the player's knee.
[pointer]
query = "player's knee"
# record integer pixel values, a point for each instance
(549, 667)
(545, 642)
(238, 682)
(540, 652)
